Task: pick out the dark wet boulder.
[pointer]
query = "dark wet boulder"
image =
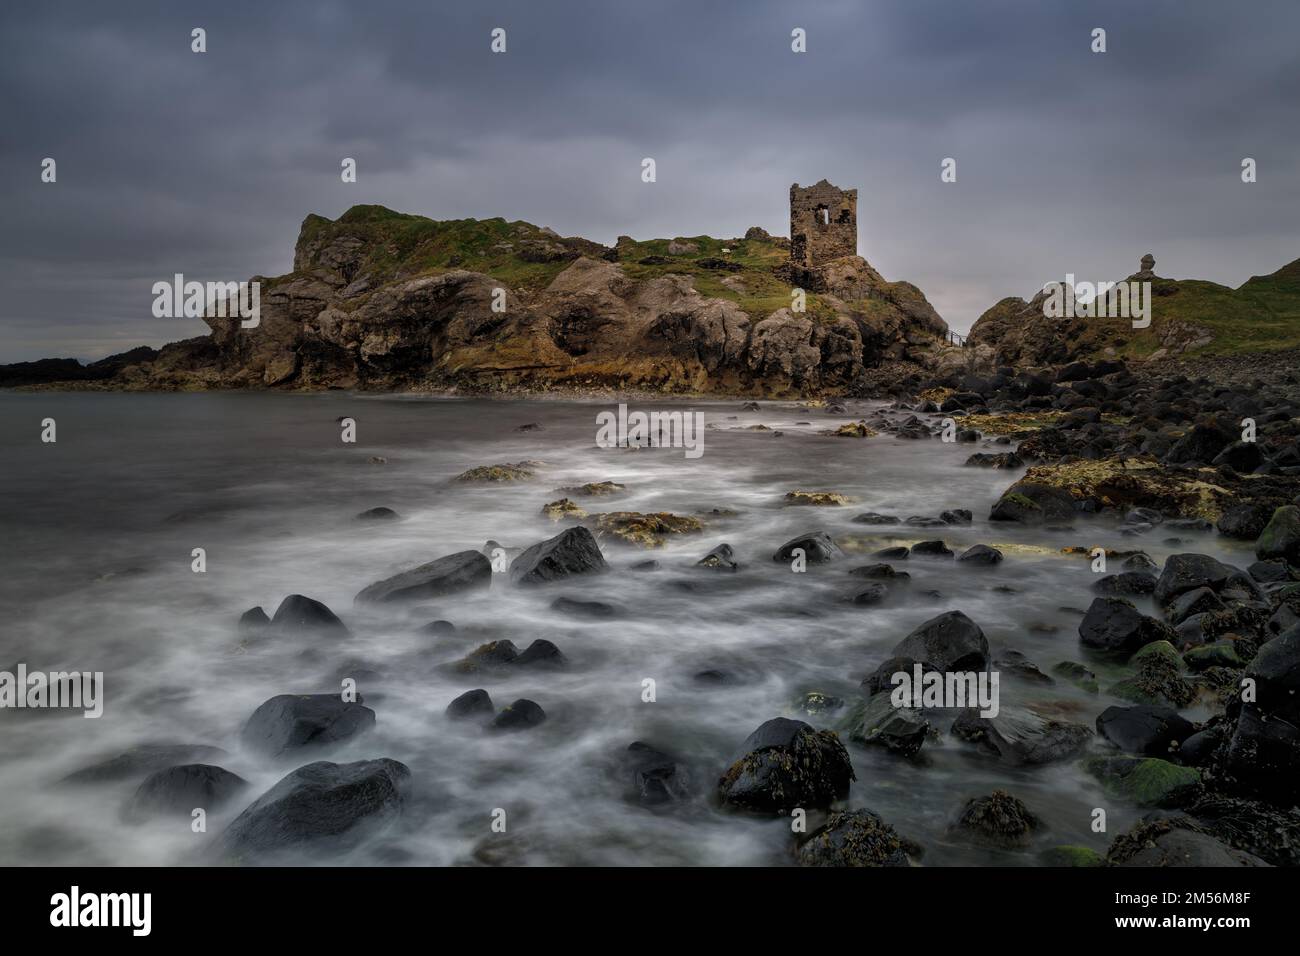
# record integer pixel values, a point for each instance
(540, 653)
(817, 546)
(932, 549)
(471, 705)
(852, 838)
(1016, 664)
(439, 629)
(1141, 561)
(571, 552)
(253, 622)
(949, 642)
(303, 615)
(998, 820)
(486, 656)
(1202, 444)
(1174, 842)
(874, 517)
(1242, 456)
(981, 554)
(289, 723)
(178, 791)
(1125, 582)
(893, 554)
(1244, 522)
(786, 764)
(1281, 537)
(1270, 572)
(901, 730)
(1112, 625)
(1144, 729)
(457, 573)
(377, 514)
(1033, 504)
(956, 516)
(655, 778)
(1264, 752)
(883, 572)
(1196, 601)
(323, 807)
(721, 558)
(1019, 736)
(521, 715)
(1187, 572)
(870, 595)
(141, 760)
(592, 610)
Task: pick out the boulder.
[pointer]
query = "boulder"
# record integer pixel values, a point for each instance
(949, 642)
(178, 791)
(1281, 537)
(853, 838)
(289, 723)
(1144, 729)
(817, 546)
(521, 715)
(980, 554)
(901, 730)
(1114, 626)
(323, 807)
(471, 705)
(1187, 572)
(1021, 737)
(571, 552)
(786, 764)
(655, 777)
(721, 558)
(457, 573)
(999, 820)
(303, 615)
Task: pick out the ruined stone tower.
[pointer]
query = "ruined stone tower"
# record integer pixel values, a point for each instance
(823, 224)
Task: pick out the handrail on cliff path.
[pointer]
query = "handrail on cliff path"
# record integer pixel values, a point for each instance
(956, 338)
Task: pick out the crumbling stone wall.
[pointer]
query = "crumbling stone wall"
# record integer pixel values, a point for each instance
(823, 224)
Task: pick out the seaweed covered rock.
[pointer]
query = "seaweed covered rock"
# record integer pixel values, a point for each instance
(853, 838)
(786, 764)
(998, 820)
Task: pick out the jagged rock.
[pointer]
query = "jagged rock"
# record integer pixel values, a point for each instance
(949, 642)
(1021, 737)
(571, 552)
(1167, 842)
(721, 558)
(902, 730)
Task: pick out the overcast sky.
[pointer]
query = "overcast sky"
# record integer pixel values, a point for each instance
(1067, 161)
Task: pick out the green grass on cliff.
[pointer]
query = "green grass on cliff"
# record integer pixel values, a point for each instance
(1262, 315)
(402, 246)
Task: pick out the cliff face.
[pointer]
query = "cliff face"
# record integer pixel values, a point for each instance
(381, 300)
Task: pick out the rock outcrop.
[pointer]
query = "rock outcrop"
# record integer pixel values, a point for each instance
(382, 300)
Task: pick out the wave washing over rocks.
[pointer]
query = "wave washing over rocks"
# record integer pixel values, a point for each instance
(565, 654)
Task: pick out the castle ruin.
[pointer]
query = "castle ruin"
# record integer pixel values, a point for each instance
(823, 224)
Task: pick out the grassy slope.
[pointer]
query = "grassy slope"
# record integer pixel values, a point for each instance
(407, 246)
(1263, 315)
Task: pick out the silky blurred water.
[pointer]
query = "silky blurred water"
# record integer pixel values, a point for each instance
(98, 530)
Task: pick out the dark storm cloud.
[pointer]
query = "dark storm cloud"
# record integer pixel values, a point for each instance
(1067, 161)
